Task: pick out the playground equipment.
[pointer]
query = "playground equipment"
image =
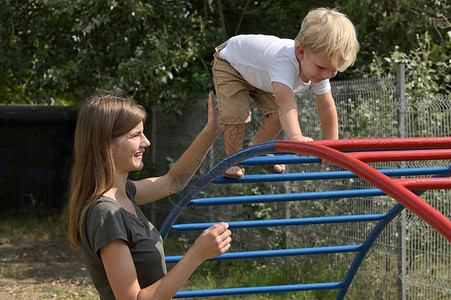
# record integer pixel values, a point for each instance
(351, 155)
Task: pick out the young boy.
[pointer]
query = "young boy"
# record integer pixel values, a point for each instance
(270, 70)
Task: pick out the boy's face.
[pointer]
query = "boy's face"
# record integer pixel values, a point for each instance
(314, 67)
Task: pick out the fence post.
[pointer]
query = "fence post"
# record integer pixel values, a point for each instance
(400, 93)
(153, 151)
(211, 165)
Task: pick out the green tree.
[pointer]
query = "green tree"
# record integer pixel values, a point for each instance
(387, 26)
(32, 54)
(428, 71)
(65, 50)
(160, 51)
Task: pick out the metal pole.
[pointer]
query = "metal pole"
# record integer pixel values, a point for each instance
(153, 151)
(402, 257)
(211, 165)
(401, 95)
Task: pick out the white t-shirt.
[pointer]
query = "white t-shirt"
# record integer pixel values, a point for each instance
(263, 59)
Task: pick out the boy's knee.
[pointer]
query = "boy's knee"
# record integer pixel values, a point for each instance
(272, 116)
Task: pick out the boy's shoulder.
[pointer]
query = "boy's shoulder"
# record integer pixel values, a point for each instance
(253, 38)
(260, 45)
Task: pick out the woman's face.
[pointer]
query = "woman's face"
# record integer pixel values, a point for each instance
(128, 149)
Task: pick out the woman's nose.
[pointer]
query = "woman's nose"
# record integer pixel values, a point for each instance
(145, 142)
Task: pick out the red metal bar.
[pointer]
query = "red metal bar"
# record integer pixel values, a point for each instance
(402, 155)
(425, 183)
(387, 143)
(417, 205)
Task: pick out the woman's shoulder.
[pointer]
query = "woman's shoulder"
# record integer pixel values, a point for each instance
(105, 215)
(130, 189)
(103, 206)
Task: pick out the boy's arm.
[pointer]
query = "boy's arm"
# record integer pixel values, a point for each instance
(288, 112)
(327, 115)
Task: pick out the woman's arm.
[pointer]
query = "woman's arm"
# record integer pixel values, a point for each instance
(151, 189)
(121, 271)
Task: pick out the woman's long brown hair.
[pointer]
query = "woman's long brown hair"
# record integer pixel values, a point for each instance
(100, 119)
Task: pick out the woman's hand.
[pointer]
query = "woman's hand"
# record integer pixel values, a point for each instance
(213, 242)
(213, 113)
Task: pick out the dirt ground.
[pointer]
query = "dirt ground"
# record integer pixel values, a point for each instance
(45, 270)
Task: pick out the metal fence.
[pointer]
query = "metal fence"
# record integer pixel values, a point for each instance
(410, 260)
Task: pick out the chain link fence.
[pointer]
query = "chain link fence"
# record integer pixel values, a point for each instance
(410, 260)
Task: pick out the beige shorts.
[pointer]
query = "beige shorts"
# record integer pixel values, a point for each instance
(234, 92)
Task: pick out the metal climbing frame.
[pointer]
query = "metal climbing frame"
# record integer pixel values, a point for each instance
(351, 155)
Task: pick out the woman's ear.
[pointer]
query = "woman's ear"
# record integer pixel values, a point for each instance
(300, 50)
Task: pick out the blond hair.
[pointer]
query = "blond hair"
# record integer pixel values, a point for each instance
(100, 119)
(332, 33)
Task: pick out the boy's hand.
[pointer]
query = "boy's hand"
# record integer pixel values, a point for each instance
(309, 139)
(302, 138)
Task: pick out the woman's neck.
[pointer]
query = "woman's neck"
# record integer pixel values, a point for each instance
(118, 188)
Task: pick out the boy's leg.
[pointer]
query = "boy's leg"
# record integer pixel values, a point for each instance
(268, 130)
(232, 91)
(233, 141)
(270, 125)
(233, 137)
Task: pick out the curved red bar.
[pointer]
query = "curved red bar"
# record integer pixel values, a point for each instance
(417, 205)
(437, 183)
(386, 143)
(402, 155)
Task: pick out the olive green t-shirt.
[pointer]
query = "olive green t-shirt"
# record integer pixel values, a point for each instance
(105, 221)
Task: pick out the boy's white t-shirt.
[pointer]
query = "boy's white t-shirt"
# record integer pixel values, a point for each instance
(263, 59)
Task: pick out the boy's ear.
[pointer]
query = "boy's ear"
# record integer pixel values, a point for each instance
(300, 50)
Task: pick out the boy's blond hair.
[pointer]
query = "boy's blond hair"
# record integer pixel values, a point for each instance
(332, 33)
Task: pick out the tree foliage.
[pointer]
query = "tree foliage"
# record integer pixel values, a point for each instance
(416, 33)
(66, 50)
(160, 51)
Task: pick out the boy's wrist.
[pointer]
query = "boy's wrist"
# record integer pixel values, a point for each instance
(297, 136)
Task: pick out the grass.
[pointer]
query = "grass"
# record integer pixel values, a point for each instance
(19, 231)
(22, 229)
(68, 294)
(254, 273)
(25, 227)
(36, 260)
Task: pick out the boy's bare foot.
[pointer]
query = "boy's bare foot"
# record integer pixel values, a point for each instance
(234, 172)
(274, 169)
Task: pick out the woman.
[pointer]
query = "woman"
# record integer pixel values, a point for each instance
(121, 248)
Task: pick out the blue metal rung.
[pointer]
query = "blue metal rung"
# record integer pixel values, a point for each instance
(277, 253)
(283, 222)
(285, 197)
(328, 175)
(260, 290)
